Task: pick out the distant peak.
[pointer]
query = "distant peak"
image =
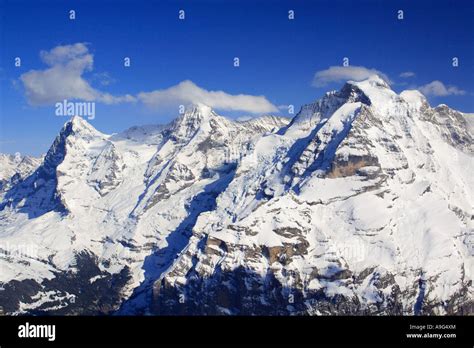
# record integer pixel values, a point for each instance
(373, 81)
(379, 80)
(199, 109)
(189, 122)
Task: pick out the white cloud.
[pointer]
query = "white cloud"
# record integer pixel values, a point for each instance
(68, 55)
(439, 89)
(103, 78)
(407, 74)
(187, 92)
(63, 79)
(344, 73)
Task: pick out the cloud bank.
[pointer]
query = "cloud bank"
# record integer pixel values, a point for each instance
(63, 79)
(438, 89)
(187, 92)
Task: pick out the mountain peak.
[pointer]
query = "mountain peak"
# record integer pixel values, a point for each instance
(197, 112)
(199, 109)
(372, 81)
(188, 123)
(78, 125)
(75, 128)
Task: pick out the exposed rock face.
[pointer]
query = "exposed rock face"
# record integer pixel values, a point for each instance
(81, 290)
(361, 204)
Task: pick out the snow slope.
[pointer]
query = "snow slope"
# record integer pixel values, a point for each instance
(15, 167)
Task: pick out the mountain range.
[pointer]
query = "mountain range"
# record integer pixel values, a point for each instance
(361, 204)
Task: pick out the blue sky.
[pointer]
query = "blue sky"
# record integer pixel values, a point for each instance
(279, 58)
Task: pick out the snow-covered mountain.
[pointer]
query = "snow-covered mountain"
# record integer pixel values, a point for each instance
(16, 167)
(361, 204)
